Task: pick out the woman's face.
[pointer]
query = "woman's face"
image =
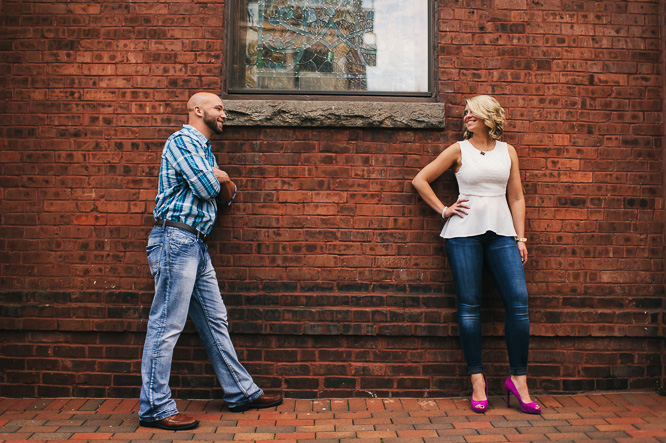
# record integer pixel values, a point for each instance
(472, 123)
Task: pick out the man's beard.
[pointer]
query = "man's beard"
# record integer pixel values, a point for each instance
(212, 123)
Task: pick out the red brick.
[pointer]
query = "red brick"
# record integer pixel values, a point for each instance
(91, 436)
(91, 101)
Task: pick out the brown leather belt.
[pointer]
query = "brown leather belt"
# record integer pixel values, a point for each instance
(183, 226)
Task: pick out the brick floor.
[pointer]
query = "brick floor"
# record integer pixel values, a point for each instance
(601, 417)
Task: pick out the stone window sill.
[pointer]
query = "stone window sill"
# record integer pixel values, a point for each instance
(357, 114)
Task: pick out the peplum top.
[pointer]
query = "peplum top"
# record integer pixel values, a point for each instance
(482, 179)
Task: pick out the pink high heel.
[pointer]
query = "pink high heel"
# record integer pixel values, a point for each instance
(527, 408)
(480, 406)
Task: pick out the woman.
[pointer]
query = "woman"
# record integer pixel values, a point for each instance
(486, 225)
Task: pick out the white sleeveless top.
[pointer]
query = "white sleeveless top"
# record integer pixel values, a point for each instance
(482, 179)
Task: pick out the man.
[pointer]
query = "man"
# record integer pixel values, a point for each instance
(186, 206)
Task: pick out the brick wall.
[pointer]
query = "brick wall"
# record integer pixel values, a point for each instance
(331, 266)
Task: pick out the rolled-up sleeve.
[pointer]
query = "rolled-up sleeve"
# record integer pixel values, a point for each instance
(232, 197)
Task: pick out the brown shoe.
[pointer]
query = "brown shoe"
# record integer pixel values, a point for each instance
(178, 422)
(263, 401)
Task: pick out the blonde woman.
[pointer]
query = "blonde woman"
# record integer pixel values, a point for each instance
(485, 226)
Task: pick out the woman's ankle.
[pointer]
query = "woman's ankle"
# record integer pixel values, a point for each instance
(478, 387)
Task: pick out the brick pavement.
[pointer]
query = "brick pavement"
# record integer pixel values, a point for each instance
(611, 417)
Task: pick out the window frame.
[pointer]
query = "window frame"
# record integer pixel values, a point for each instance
(232, 45)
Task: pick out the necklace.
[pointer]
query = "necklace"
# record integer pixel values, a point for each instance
(482, 152)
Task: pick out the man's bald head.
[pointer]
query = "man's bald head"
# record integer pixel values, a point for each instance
(202, 100)
(206, 113)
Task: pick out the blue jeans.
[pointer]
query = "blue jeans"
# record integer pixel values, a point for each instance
(467, 256)
(185, 282)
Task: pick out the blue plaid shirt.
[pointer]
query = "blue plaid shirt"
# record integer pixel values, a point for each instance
(188, 187)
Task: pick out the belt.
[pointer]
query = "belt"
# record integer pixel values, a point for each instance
(183, 226)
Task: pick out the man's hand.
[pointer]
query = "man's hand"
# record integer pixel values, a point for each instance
(221, 176)
(228, 187)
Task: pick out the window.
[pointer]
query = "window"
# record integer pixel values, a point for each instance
(349, 47)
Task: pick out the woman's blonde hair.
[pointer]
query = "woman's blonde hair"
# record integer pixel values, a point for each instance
(489, 110)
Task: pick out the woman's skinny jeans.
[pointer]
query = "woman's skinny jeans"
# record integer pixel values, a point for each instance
(500, 254)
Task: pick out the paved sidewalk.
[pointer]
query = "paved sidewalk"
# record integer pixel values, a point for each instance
(612, 417)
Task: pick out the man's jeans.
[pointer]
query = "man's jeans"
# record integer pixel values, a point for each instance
(500, 254)
(185, 282)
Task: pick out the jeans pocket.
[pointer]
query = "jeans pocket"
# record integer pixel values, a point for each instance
(154, 254)
(178, 240)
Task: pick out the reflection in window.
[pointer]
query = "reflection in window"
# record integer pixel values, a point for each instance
(348, 46)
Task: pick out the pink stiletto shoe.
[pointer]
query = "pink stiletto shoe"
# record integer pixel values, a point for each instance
(527, 408)
(482, 405)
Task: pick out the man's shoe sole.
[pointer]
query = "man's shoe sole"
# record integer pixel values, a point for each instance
(152, 424)
(243, 408)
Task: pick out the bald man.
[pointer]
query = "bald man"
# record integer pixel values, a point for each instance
(190, 187)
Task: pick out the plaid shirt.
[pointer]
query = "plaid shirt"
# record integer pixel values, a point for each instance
(188, 187)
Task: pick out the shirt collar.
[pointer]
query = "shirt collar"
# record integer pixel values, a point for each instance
(196, 133)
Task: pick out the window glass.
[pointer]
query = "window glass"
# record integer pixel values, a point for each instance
(331, 46)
